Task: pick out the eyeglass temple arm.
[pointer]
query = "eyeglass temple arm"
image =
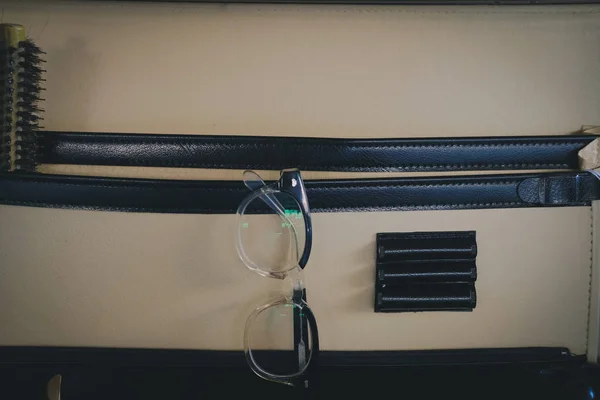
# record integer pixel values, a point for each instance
(291, 182)
(273, 204)
(301, 338)
(304, 320)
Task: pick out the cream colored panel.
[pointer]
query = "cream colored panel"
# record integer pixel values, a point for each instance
(85, 278)
(234, 174)
(340, 71)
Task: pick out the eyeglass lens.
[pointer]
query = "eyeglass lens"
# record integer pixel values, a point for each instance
(273, 242)
(275, 347)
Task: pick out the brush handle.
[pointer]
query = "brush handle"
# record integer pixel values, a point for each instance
(20, 78)
(12, 34)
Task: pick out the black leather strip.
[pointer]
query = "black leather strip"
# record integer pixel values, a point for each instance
(455, 296)
(312, 154)
(167, 196)
(124, 357)
(424, 271)
(422, 246)
(125, 374)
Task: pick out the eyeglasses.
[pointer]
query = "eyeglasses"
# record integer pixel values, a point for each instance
(274, 239)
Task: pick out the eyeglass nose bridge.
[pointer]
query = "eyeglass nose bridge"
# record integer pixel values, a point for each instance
(293, 285)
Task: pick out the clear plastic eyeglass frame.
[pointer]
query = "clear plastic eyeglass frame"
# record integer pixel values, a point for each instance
(290, 183)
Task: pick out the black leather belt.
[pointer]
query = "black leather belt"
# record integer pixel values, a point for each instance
(312, 154)
(211, 197)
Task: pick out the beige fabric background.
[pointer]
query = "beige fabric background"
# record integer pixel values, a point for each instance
(316, 70)
(157, 280)
(148, 280)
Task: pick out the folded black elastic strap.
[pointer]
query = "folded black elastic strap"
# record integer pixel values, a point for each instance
(223, 197)
(313, 154)
(425, 271)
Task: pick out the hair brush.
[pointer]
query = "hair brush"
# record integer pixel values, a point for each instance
(20, 78)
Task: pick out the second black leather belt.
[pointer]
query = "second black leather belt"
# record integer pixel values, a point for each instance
(223, 197)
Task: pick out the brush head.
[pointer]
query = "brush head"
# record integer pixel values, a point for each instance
(21, 77)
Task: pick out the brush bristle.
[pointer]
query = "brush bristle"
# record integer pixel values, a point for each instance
(21, 76)
(7, 77)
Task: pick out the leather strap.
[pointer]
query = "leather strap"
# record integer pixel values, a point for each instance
(208, 197)
(107, 357)
(313, 154)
